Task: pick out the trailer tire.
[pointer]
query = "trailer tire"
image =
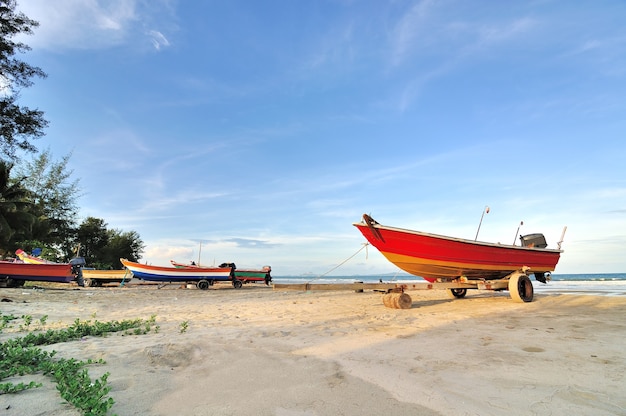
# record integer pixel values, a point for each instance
(203, 284)
(237, 284)
(15, 282)
(457, 293)
(521, 288)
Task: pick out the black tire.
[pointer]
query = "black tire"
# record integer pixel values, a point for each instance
(203, 284)
(237, 284)
(521, 288)
(457, 293)
(15, 282)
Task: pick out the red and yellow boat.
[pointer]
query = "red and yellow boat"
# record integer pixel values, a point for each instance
(16, 273)
(438, 258)
(27, 258)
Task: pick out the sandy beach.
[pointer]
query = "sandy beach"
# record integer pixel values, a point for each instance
(257, 351)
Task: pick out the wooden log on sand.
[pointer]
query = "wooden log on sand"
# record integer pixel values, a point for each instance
(397, 300)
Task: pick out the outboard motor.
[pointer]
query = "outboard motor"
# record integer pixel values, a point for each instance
(533, 240)
(77, 264)
(232, 268)
(268, 277)
(543, 277)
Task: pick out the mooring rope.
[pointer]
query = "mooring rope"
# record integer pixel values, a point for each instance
(364, 246)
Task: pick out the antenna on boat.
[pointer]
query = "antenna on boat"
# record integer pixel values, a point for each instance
(517, 232)
(562, 236)
(199, 252)
(485, 211)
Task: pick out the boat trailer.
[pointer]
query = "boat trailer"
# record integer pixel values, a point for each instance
(517, 283)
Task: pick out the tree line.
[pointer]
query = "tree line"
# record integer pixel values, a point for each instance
(38, 197)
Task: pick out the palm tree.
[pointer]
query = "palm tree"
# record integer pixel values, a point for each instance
(15, 215)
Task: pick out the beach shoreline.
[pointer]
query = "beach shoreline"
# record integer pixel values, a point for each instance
(257, 351)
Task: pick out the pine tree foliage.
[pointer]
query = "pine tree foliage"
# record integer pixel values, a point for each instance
(19, 125)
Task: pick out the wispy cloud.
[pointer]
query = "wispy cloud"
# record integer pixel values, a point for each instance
(251, 243)
(335, 49)
(89, 24)
(77, 24)
(428, 38)
(156, 203)
(407, 33)
(158, 39)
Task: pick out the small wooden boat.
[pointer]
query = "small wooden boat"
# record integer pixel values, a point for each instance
(15, 274)
(242, 276)
(438, 258)
(204, 277)
(94, 278)
(253, 275)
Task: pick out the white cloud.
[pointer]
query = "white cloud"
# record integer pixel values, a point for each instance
(78, 24)
(89, 24)
(158, 39)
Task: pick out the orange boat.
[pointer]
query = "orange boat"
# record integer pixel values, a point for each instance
(76, 265)
(438, 258)
(15, 274)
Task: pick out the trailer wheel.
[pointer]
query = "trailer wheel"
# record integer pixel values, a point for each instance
(521, 288)
(203, 284)
(457, 293)
(15, 282)
(92, 283)
(237, 284)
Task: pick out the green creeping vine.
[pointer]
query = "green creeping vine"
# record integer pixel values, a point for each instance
(21, 356)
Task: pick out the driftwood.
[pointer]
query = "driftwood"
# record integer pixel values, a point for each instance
(397, 300)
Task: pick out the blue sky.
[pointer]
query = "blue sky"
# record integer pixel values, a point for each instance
(261, 130)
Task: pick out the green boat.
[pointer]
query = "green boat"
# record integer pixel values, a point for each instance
(247, 276)
(241, 275)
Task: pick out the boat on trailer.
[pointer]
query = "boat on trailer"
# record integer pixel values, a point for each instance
(97, 278)
(16, 273)
(458, 264)
(76, 268)
(254, 275)
(242, 276)
(203, 277)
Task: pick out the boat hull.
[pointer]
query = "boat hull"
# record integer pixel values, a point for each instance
(254, 275)
(243, 275)
(99, 277)
(56, 272)
(435, 257)
(177, 274)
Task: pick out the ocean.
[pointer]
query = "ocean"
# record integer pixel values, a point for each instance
(607, 284)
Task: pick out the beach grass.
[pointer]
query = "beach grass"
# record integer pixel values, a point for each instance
(22, 355)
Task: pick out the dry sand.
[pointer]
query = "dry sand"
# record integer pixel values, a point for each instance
(256, 351)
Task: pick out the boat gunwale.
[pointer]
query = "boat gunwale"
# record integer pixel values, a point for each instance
(456, 239)
(168, 269)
